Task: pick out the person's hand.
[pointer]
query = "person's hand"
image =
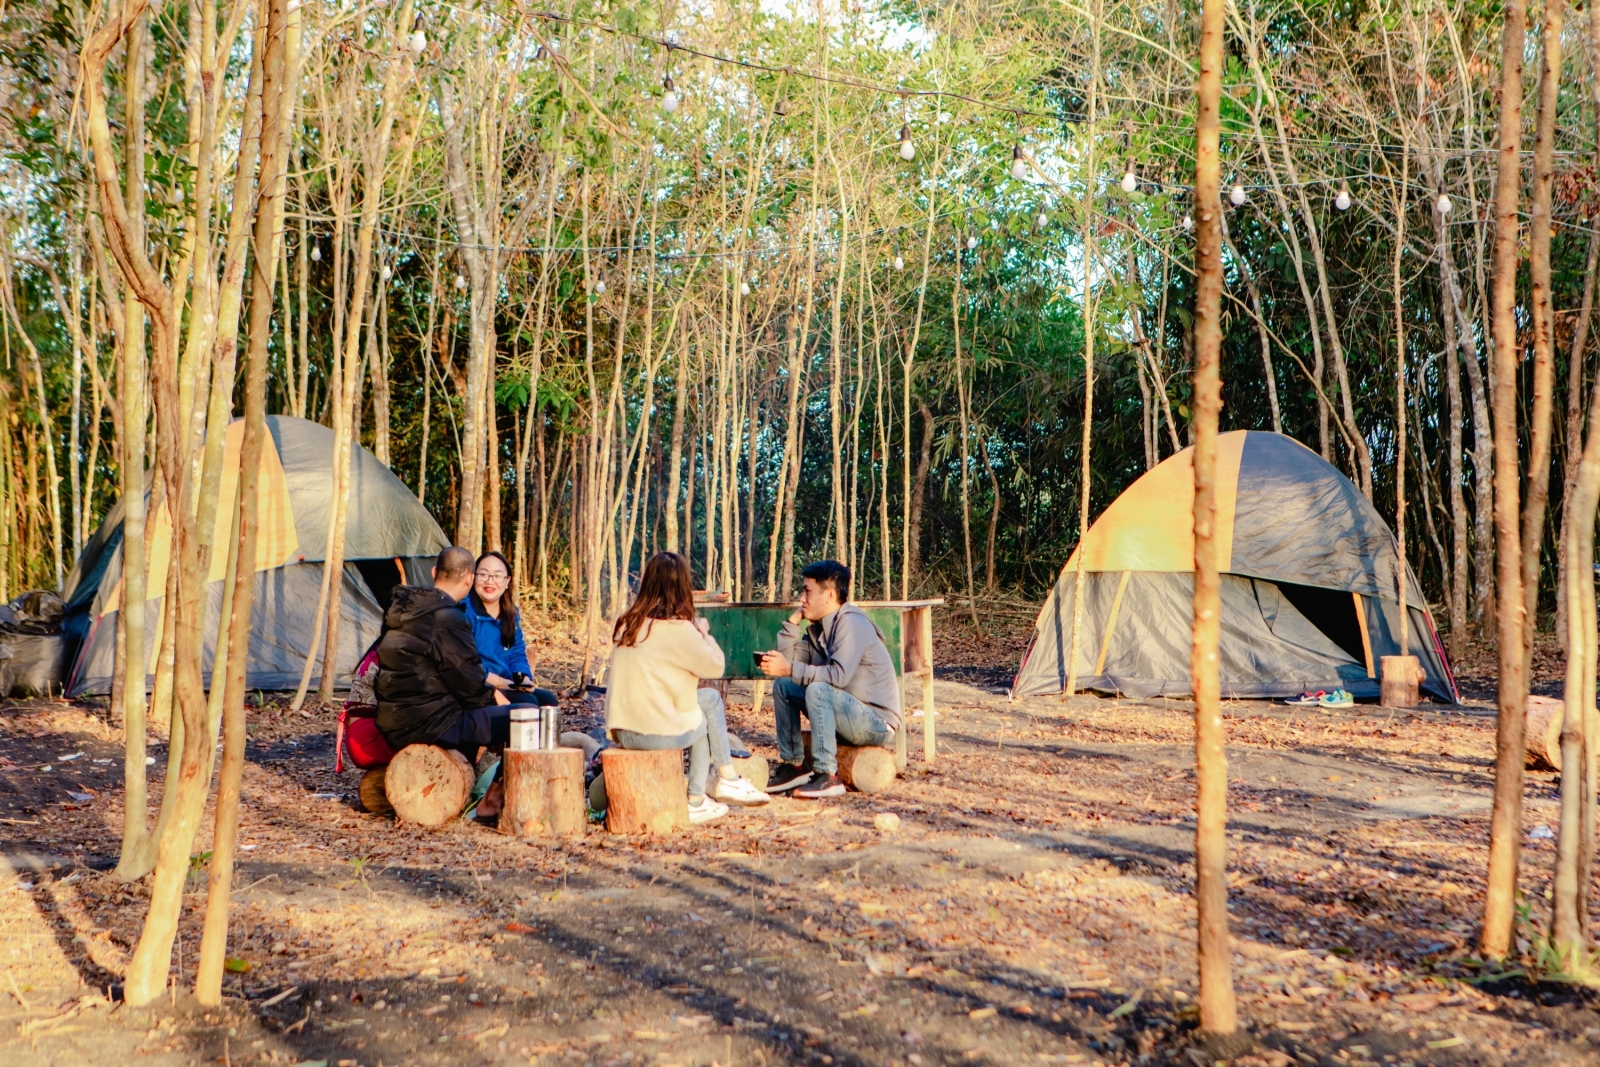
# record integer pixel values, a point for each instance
(497, 681)
(776, 665)
(500, 698)
(703, 624)
(796, 616)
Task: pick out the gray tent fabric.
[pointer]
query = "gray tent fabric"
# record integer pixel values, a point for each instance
(1268, 649)
(1309, 589)
(393, 521)
(386, 522)
(280, 631)
(1297, 519)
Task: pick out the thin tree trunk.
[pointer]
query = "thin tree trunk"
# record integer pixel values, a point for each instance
(1217, 1008)
(1533, 511)
(1505, 826)
(1574, 423)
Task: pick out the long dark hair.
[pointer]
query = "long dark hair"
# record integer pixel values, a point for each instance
(666, 591)
(508, 602)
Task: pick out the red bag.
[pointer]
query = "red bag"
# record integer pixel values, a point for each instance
(367, 746)
(358, 731)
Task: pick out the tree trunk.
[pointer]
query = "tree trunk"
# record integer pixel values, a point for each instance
(1505, 827)
(428, 785)
(1217, 1008)
(1543, 328)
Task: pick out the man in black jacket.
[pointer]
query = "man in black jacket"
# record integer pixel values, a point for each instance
(432, 688)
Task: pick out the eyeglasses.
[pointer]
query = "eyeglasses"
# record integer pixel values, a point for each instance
(493, 576)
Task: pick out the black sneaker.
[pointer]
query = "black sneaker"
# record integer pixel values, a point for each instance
(820, 787)
(787, 777)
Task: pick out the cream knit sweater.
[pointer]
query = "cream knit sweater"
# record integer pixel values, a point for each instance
(653, 682)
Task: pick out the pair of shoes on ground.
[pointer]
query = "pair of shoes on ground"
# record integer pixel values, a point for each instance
(808, 785)
(1338, 698)
(723, 792)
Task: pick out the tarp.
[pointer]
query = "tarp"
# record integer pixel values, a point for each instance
(389, 536)
(1309, 591)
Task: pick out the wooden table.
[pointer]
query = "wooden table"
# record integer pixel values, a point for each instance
(907, 625)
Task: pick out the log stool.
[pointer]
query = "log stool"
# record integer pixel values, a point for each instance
(544, 793)
(1398, 678)
(752, 769)
(868, 769)
(373, 796)
(428, 785)
(646, 792)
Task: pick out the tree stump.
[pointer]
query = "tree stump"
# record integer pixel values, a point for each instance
(1398, 680)
(866, 770)
(544, 793)
(753, 769)
(373, 797)
(646, 792)
(428, 785)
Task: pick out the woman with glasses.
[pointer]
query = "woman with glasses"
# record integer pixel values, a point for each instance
(496, 626)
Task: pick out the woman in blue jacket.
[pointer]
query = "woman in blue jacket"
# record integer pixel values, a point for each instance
(497, 630)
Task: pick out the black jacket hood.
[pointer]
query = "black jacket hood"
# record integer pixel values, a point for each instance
(411, 602)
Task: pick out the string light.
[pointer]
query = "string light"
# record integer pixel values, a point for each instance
(1188, 223)
(1237, 196)
(176, 196)
(1342, 201)
(669, 99)
(1130, 183)
(744, 288)
(418, 41)
(461, 282)
(316, 253)
(1442, 205)
(972, 242)
(1042, 221)
(908, 150)
(899, 263)
(1019, 163)
(388, 272)
(600, 284)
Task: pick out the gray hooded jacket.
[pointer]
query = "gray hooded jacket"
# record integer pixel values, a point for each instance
(846, 651)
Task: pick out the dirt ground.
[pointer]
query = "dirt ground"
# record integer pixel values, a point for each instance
(1034, 905)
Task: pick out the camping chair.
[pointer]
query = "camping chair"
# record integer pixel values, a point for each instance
(357, 732)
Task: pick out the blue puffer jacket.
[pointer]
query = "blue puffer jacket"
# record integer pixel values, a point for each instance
(497, 658)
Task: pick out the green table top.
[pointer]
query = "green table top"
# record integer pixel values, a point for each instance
(745, 628)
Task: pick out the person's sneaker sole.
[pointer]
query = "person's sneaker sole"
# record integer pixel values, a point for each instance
(837, 789)
(793, 783)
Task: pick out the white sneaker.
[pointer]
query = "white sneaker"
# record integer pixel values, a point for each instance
(738, 791)
(705, 811)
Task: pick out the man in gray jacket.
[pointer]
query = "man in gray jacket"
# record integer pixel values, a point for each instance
(832, 666)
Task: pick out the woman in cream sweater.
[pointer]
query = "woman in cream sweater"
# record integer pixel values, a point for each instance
(653, 699)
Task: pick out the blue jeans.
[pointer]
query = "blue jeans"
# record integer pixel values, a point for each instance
(707, 743)
(834, 714)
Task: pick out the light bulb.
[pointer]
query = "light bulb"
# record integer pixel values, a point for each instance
(972, 242)
(1442, 205)
(1019, 164)
(1237, 197)
(316, 253)
(1042, 221)
(1130, 184)
(176, 196)
(908, 151)
(417, 42)
(388, 272)
(1188, 222)
(1342, 201)
(899, 263)
(600, 285)
(669, 99)
(461, 282)
(744, 289)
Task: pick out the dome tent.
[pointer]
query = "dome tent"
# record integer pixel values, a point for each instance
(390, 538)
(1309, 575)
